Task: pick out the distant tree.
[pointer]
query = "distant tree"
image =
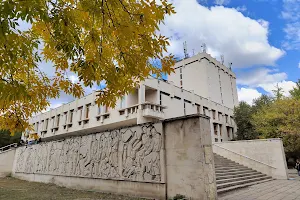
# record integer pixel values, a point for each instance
(262, 101)
(6, 138)
(279, 118)
(295, 92)
(278, 92)
(242, 118)
(291, 144)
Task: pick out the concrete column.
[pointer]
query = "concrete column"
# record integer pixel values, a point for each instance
(142, 94)
(158, 97)
(189, 158)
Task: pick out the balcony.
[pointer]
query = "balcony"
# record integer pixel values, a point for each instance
(152, 110)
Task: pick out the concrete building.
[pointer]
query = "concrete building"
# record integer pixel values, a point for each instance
(201, 84)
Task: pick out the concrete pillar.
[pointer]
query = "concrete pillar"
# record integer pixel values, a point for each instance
(158, 97)
(142, 94)
(189, 158)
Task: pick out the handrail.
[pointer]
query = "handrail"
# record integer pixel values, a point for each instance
(145, 103)
(245, 156)
(7, 147)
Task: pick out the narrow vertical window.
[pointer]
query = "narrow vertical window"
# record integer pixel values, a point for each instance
(37, 127)
(80, 113)
(66, 117)
(87, 111)
(57, 120)
(71, 116)
(46, 125)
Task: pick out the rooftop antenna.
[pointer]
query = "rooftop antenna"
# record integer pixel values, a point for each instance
(230, 65)
(203, 48)
(186, 55)
(222, 59)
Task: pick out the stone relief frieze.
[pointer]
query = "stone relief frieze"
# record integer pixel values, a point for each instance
(128, 154)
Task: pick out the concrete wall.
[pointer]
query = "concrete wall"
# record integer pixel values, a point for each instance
(156, 160)
(189, 159)
(208, 78)
(266, 156)
(6, 162)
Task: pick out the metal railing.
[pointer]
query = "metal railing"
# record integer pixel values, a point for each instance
(8, 147)
(245, 156)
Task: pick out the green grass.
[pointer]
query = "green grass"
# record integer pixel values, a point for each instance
(15, 189)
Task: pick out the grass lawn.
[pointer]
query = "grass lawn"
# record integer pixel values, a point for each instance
(15, 189)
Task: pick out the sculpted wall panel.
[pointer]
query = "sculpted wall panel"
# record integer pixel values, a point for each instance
(128, 154)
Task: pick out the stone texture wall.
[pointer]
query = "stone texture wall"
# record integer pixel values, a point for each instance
(6, 162)
(266, 156)
(189, 158)
(132, 154)
(155, 161)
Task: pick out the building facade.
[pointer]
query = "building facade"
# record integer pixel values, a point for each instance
(200, 84)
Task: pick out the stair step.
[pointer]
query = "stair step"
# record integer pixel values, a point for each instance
(223, 173)
(231, 167)
(241, 182)
(226, 171)
(241, 178)
(226, 176)
(227, 189)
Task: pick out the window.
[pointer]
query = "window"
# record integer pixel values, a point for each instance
(37, 127)
(205, 110)
(66, 117)
(87, 111)
(198, 109)
(106, 109)
(216, 139)
(53, 121)
(122, 103)
(57, 120)
(215, 129)
(220, 116)
(80, 113)
(226, 118)
(228, 132)
(46, 124)
(99, 110)
(220, 129)
(71, 116)
(214, 114)
(42, 125)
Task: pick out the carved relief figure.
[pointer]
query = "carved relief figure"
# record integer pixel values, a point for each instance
(130, 154)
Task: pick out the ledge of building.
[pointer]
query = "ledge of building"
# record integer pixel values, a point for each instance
(186, 117)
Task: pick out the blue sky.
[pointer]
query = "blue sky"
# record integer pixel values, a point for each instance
(260, 37)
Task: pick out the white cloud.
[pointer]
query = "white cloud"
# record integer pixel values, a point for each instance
(291, 13)
(266, 79)
(285, 85)
(248, 95)
(299, 65)
(241, 8)
(242, 40)
(259, 76)
(222, 2)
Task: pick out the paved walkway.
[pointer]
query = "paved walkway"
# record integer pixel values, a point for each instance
(293, 174)
(272, 190)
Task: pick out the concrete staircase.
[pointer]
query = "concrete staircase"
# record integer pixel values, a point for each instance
(231, 175)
